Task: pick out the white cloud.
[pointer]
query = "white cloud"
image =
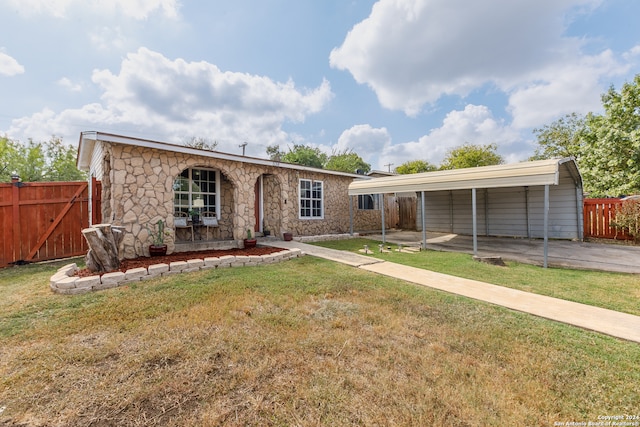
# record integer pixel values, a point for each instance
(137, 9)
(562, 89)
(413, 52)
(68, 84)
(364, 140)
(475, 125)
(107, 38)
(174, 100)
(9, 66)
(632, 53)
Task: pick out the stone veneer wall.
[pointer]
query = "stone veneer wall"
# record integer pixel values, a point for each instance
(141, 193)
(273, 205)
(365, 220)
(336, 208)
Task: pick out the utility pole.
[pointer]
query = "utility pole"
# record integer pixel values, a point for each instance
(389, 166)
(243, 145)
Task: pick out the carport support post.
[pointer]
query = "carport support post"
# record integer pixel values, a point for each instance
(546, 224)
(475, 225)
(424, 223)
(351, 216)
(382, 210)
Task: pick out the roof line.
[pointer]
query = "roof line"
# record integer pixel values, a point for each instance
(89, 138)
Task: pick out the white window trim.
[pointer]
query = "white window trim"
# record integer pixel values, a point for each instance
(376, 202)
(217, 195)
(300, 198)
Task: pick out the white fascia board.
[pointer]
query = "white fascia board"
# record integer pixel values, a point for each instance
(542, 172)
(87, 137)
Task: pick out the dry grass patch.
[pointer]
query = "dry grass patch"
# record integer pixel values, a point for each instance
(307, 342)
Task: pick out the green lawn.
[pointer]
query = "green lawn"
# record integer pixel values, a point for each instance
(303, 342)
(615, 291)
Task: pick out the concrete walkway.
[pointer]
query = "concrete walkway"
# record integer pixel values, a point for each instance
(610, 322)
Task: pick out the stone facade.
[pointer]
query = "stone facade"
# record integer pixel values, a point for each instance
(138, 191)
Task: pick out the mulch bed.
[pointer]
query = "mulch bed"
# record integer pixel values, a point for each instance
(184, 256)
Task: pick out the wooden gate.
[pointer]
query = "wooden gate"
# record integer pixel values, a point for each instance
(598, 215)
(408, 211)
(44, 220)
(390, 212)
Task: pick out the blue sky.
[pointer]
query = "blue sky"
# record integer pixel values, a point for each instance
(393, 80)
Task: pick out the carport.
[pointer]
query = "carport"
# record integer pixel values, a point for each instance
(539, 199)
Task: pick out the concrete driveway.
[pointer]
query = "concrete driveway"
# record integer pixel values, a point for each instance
(622, 258)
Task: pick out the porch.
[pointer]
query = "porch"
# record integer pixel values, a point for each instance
(216, 244)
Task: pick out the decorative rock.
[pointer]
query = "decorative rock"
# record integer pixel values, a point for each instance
(211, 262)
(60, 275)
(69, 269)
(194, 265)
(240, 261)
(177, 265)
(157, 269)
(88, 283)
(226, 260)
(135, 273)
(112, 279)
(66, 283)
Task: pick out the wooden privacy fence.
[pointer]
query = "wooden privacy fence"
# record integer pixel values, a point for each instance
(598, 216)
(44, 220)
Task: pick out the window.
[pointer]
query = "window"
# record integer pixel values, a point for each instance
(311, 206)
(368, 202)
(194, 184)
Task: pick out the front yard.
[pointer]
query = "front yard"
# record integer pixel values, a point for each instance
(304, 342)
(615, 291)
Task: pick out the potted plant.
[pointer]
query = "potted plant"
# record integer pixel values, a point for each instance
(195, 216)
(249, 242)
(157, 247)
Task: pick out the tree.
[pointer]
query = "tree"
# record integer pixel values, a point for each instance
(61, 162)
(560, 139)
(470, 156)
(201, 143)
(9, 155)
(415, 166)
(274, 153)
(347, 161)
(628, 217)
(610, 155)
(38, 161)
(300, 154)
(32, 162)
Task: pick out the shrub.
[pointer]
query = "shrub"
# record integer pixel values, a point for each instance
(628, 218)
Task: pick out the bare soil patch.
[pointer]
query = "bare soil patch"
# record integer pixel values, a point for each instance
(185, 256)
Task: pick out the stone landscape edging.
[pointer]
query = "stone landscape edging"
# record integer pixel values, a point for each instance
(64, 281)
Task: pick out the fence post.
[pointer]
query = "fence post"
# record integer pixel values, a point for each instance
(15, 216)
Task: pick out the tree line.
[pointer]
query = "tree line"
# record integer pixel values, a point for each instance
(38, 161)
(606, 146)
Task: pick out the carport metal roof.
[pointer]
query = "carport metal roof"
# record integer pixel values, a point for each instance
(535, 173)
(540, 172)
